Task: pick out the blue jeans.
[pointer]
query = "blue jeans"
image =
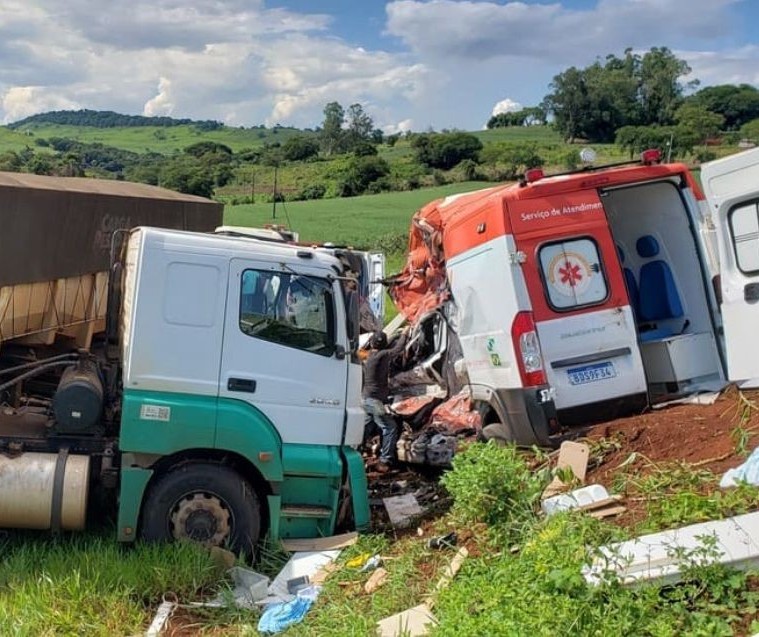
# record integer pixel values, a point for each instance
(376, 415)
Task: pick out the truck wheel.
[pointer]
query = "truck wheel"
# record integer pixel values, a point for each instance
(206, 503)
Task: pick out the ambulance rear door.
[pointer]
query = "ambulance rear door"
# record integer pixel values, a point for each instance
(581, 307)
(731, 186)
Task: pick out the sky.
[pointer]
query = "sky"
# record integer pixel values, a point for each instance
(412, 64)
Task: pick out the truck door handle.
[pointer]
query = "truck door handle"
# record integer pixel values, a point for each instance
(241, 384)
(751, 292)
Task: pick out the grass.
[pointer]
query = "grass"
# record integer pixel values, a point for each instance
(363, 222)
(90, 585)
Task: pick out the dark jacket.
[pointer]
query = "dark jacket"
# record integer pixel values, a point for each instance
(376, 369)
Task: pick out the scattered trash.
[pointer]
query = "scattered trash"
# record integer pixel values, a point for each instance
(402, 509)
(594, 499)
(443, 541)
(747, 472)
(278, 616)
(321, 543)
(412, 622)
(662, 556)
(358, 561)
(376, 579)
(297, 583)
(302, 563)
(249, 589)
(162, 616)
(574, 456)
(416, 621)
(373, 562)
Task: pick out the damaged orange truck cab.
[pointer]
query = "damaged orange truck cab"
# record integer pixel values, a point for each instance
(580, 296)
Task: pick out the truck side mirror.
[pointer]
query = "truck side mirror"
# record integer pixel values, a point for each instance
(340, 352)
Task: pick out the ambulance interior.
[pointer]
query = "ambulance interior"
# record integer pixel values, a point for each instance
(666, 286)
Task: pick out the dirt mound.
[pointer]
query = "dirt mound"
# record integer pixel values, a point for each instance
(708, 436)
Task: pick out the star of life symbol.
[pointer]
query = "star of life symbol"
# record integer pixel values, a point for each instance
(569, 274)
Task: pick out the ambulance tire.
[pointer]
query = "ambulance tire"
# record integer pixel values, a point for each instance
(203, 502)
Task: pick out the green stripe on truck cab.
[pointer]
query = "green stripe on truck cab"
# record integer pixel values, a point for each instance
(164, 424)
(168, 423)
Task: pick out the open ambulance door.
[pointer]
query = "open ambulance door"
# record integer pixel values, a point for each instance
(731, 186)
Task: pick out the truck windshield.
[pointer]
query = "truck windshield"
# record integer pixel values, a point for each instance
(289, 309)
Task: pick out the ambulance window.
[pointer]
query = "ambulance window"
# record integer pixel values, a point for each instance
(572, 274)
(744, 228)
(292, 310)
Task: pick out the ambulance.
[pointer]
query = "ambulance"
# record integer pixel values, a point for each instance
(587, 295)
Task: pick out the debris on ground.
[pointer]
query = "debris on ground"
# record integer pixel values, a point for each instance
(321, 543)
(279, 616)
(161, 619)
(416, 621)
(573, 456)
(249, 589)
(444, 541)
(594, 499)
(402, 510)
(664, 556)
(376, 579)
(369, 565)
(748, 472)
(300, 564)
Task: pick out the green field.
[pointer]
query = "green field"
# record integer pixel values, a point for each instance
(166, 140)
(370, 221)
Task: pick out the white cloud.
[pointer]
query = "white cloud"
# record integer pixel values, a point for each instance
(740, 66)
(477, 31)
(245, 63)
(237, 61)
(21, 101)
(162, 103)
(401, 127)
(505, 106)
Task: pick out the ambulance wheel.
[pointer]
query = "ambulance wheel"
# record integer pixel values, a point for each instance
(205, 503)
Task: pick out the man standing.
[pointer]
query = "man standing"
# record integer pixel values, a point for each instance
(375, 395)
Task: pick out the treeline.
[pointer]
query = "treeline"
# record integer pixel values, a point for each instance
(110, 119)
(637, 100)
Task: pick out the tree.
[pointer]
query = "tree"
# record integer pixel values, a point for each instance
(568, 102)
(530, 116)
(360, 125)
(300, 148)
(630, 91)
(445, 150)
(737, 104)
(360, 173)
(699, 121)
(331, 135)
(660, 88)
(203, 148)
(512, 159)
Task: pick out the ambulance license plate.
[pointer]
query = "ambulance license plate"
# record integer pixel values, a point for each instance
(591, 373)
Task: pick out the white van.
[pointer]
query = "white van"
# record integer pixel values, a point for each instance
(582, 296)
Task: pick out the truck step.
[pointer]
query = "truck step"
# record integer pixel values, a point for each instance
(305, 511)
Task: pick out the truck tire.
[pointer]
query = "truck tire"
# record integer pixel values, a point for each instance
(206, 503)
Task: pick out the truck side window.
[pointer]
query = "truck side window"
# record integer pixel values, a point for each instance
(744, 231)
(572, 274)
(292, 310)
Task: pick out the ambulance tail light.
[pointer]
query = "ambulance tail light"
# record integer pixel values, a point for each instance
(527, 348)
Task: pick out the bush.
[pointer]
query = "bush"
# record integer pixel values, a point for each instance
(445, 150)
(359, 173)
(493, 484)
(313, 191)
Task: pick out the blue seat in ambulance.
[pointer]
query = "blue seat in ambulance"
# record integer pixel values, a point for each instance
(630, 283)
(659, 299)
